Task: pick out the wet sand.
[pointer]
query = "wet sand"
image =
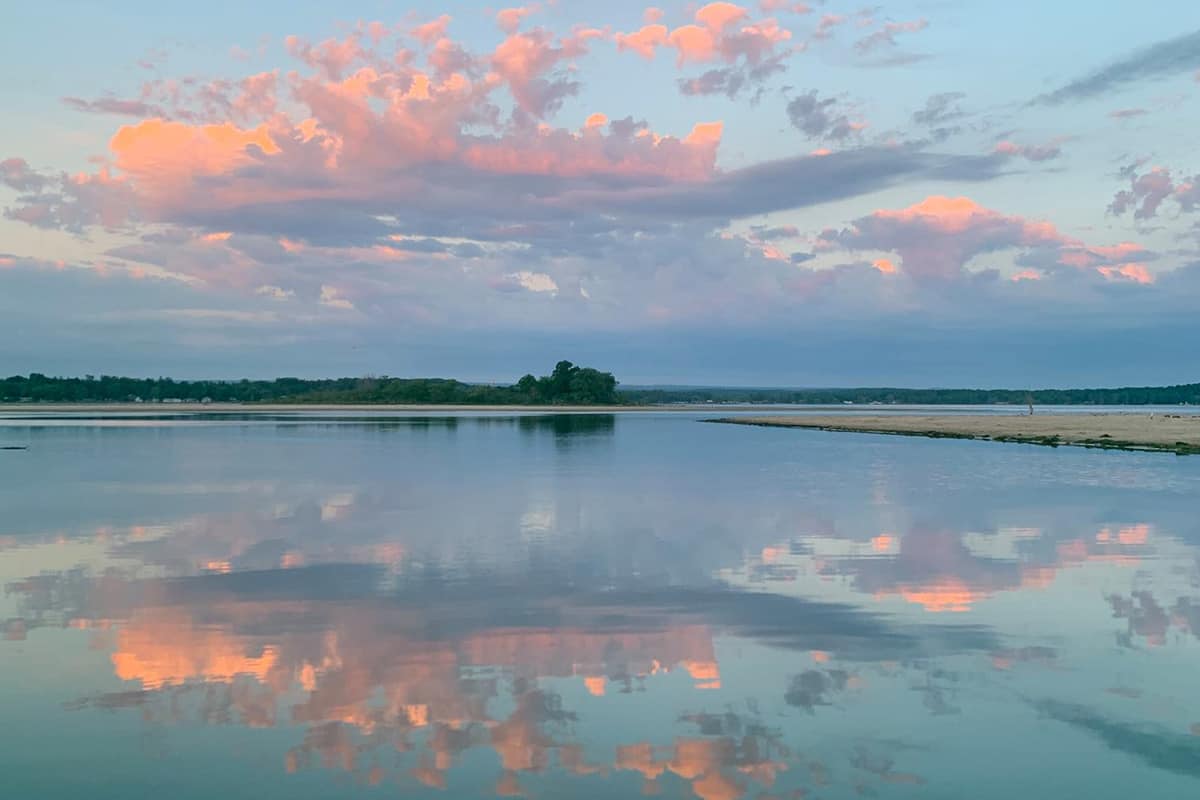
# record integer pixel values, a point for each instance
(1170, 433)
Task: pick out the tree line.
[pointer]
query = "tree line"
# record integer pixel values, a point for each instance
(567, 384)
(1132, 396)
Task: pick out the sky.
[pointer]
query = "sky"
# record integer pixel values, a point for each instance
(931, 193)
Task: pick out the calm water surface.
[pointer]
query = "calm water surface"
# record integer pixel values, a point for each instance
(590, 606)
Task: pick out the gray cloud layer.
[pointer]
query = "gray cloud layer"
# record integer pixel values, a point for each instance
(1161, 59)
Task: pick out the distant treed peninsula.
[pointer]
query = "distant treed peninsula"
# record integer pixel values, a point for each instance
(567, 384)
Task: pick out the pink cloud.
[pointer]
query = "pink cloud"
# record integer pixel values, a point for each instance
(509, 19)
(558, 152)
(160, 155)
(693, 43)
(334, 134)
(1130, 272)
(826, 25)
(1045, 152)
(643, 41)
(72, 202)
(431, 31)
(936, 237)
(1149, 190)
(720, 15)
(958, 214)
(376, 31)
(523, 60)
(705, 133)
(256, 99)
(1080, 256)
(17, 174)
(719, 32)
(652, 15)
(449, 57)
(332, 57)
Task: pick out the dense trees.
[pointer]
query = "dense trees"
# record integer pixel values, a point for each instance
(570, 385)
(567, 385)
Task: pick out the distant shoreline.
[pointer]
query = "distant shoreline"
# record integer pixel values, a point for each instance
(1168, 433)
(805, 411)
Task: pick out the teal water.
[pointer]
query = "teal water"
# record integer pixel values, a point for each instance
(589, 606)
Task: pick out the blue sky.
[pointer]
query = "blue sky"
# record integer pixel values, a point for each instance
(920, 193)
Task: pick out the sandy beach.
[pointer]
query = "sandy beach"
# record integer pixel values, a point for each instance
(1156, 432)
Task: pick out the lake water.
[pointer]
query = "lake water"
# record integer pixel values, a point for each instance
(589, 606)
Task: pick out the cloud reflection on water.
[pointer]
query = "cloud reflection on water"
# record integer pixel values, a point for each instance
(456, 612)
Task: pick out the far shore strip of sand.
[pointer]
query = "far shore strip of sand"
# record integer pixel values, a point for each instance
(1171, 433)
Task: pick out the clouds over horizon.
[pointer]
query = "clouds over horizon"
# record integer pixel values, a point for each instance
(404, 176)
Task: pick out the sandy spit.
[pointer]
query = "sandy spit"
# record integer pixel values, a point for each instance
(1171, 433)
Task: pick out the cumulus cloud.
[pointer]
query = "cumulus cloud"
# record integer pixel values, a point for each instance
(363, 156)
(937, 238)
(428, 33)
(509, 19)
(721, 32)
(1159, 60)
(527, 63)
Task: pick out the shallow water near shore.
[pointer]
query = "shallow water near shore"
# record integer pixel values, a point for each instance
(589, 605)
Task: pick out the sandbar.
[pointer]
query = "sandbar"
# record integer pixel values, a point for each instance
(1172, 433)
